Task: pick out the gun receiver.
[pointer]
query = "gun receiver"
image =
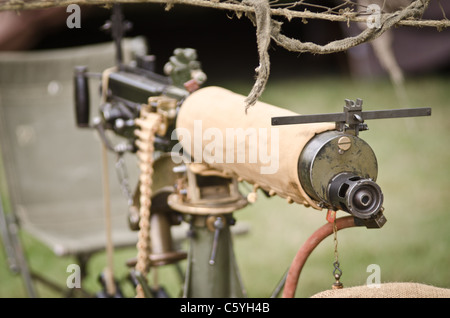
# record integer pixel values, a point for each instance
(131, 85)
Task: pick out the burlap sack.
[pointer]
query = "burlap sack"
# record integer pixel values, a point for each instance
(387, 290)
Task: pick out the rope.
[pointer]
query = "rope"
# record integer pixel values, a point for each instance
(387, 21)
(109, 271)
(235, 6)
(260, 13)
(261, 19)
(149, 124)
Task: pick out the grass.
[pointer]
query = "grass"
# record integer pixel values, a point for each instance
(414, 174)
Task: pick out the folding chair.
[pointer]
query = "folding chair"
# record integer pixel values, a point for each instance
(53, 169)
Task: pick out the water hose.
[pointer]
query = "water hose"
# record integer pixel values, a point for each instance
(307, 248)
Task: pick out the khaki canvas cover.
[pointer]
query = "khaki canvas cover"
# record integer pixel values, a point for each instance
(212, 124)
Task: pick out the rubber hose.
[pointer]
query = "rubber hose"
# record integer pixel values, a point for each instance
(307, 248)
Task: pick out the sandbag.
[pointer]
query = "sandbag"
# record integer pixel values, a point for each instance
(387, 290)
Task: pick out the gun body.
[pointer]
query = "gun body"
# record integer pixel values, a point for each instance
(310, 164)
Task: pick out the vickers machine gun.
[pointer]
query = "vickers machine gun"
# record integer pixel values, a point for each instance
(169, 122)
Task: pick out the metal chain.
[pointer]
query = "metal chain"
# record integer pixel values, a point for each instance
(336, 254)
(337, 272)
(149, 123)
(122, 176)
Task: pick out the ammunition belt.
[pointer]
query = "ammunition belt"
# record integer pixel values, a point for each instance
(148, 124)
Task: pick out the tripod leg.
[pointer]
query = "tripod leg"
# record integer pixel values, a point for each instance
(15, 254)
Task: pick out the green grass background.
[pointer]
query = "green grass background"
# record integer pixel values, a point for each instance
(414, 174)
